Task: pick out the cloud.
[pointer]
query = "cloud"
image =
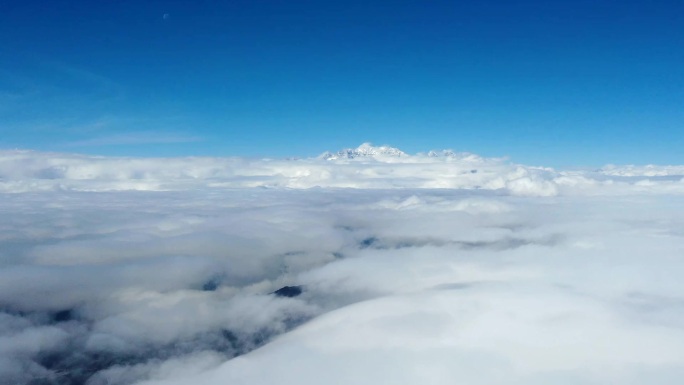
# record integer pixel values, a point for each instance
(46, 96)
(647, 170)
(420, 271)
(363, 168)
(136, 138)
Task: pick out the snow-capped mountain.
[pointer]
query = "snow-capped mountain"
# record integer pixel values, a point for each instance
(364, 150)
(367, 150)
(442, 154)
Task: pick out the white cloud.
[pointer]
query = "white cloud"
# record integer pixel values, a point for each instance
(441, 268)
(363, 168)
(136, 138)
(647, 170)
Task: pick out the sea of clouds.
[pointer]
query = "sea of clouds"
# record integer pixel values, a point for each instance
(438, 268)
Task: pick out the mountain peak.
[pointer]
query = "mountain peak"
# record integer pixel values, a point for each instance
(364, 150)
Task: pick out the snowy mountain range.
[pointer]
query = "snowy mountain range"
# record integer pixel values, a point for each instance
(392, 154)
(364, 151)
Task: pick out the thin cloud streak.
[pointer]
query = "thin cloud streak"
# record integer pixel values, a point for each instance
(136, 138)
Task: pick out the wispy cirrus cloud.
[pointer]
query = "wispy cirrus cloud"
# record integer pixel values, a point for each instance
(49, 101)
(48, 84)
(136, 138)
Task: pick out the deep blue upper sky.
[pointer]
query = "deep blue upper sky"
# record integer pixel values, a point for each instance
(545, 82)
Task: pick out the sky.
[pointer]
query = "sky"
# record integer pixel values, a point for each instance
(581, 83)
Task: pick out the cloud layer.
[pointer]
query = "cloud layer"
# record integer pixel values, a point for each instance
(366, 167)
(438, 268)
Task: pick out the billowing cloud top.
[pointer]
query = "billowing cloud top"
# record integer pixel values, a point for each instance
(364, 167)
(362, 267)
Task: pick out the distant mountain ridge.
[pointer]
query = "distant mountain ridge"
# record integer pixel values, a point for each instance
(368, 150)
(365, 150)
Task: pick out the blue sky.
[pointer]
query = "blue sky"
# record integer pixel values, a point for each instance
(555, 83)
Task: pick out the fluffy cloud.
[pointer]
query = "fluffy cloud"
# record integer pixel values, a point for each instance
(366, 167)
(439, 268)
